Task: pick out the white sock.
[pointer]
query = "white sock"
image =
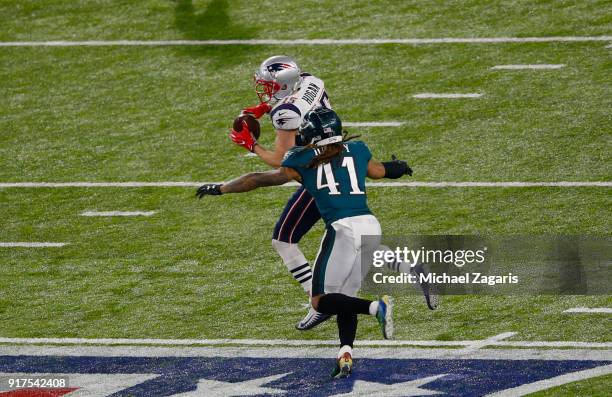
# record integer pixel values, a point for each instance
(399, 267)
(373, 308)
(345, 349)
(307, 285)
(296, 263)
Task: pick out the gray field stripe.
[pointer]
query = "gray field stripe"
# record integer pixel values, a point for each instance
(503, 343)
(414, 41)
(589, 310)
(118, 213)
(242, 342)
(431, 95)
(30, 245)
(540, 66)
(358, 124)
(305, 352)
(553, 382)
(493, 341)
(518, 184)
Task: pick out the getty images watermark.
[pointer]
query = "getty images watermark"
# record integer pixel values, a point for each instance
(488, 265)
(401, 258)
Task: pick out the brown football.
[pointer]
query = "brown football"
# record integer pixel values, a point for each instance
(251, 122)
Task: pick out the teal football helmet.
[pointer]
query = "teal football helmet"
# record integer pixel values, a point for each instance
(320, 127)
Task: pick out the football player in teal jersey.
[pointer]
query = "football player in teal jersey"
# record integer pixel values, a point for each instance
(333, 169)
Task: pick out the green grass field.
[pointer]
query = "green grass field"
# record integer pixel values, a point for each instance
(205, 269)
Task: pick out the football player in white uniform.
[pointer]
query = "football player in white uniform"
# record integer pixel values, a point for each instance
(287, 94)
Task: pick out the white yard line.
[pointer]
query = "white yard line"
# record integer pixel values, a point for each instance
(493, 341)
(429, 95)
(101, 184)
(118, 213)
(440, 40)
(489, 184)
(589, 310)
(534, 67)
(216, 342)
(544, 384)
(586, 345)
(373, 124)
(305, 352)
(370, 184)
(30, 245)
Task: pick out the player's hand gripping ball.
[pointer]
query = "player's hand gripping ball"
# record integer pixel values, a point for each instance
(252, 123)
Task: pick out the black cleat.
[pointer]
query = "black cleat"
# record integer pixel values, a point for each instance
(311, 320)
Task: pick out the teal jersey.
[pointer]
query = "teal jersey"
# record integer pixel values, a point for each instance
(338, 187)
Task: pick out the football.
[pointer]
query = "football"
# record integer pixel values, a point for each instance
(251, 122)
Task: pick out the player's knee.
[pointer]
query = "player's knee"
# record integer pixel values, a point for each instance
(278, 245)
(290, 253)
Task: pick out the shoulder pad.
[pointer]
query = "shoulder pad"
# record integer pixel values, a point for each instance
(295, 157)
(286, 116)
(359, 148)
(289, 113)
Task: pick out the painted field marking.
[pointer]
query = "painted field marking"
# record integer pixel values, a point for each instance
(373, 124)
(144, 361)
(544, 384)
(369, 184)
(493, 341)
(533, 67)
(118, 213)
(415, 41)
(488, 341)
(308, 352)
(429, 95)
(31, 245)
(589, 310)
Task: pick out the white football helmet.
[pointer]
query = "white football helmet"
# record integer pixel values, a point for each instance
(276, 78)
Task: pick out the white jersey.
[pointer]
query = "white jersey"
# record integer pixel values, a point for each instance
(289, 112)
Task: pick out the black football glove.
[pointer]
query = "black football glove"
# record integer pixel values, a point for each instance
(396, 168)
(213, 189)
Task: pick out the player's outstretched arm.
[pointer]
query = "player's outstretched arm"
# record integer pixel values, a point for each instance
(389, 169)
(284, 141)
(375, 169)
(249, 182)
